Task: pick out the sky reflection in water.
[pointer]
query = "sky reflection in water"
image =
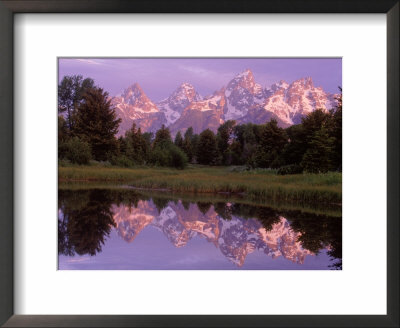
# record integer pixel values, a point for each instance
(124, 230)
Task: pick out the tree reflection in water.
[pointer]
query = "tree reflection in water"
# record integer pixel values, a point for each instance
(318, 232)
(85, 222)
(86, 219)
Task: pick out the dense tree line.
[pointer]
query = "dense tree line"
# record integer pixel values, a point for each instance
(314, 146)
(137, 148)
(88, 127)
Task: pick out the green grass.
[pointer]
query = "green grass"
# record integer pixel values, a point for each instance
(331, 210)
(257, 184)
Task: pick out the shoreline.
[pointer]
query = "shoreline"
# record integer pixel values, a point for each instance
(263, 185)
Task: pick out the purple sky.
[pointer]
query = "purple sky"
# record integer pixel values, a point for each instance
(159, 77)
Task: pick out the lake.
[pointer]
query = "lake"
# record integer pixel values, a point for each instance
(128, 229)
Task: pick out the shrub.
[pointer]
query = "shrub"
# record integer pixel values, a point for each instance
(64, 162)
(62, 150)
(179, 159)
(121, 161)
(100, 163)
(290, 169)
(238, 168)
(169, 155)
(160, 156)
(263, 159)
(77, 151)
(277, 162)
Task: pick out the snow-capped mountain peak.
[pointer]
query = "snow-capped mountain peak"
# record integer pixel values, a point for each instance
(242, 93)
(173, 106)
(133, 105)
(244, 80)
(184, 95)
(276, 86)
(305, 82)
(135, 97)
(242, 99)
(290, 102)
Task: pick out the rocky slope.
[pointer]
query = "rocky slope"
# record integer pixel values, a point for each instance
(134, 106)
(242, 99)
(173, 106)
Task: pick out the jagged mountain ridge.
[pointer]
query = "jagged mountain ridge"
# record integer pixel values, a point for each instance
(134, 106)
(173, 106)
(235, 239)
(242, 99)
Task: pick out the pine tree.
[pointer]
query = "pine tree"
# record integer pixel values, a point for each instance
(187, 144)
(95, 122)
(313, 122)
(62, 129)
(189, 133)
(236, 150)
(187, 148)
(136, 145)
(224, 135)
(272, 141)
(179, 140)
(63, 136)
(317, 158)
(163, 137)
(122, 145)
(296, 147)
(195, 145)
(335, 130)
(70, 94)
(224, 139)
(247, 135)
(207, 152)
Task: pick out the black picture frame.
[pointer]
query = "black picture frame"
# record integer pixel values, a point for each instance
(10, 7)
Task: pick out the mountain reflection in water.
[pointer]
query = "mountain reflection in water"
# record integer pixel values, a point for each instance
(123, 229)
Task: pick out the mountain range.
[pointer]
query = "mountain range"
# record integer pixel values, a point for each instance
(235, 238)
(242, 99)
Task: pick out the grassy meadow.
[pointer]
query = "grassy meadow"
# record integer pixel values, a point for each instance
(259, 184)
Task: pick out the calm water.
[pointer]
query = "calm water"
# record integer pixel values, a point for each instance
(117, 229)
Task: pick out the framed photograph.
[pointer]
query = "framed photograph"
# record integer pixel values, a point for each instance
(218, 164)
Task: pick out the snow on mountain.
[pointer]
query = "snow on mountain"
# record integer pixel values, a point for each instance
(242, 99)
(134, 106)
(230, 102)
(242, 93)
(275, 87)
(134, 102)
(173, 106)
(203, 114)
(291, 102)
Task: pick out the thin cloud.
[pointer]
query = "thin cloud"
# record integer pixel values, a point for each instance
(81, 259)
(88, 61)
(204, 72)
